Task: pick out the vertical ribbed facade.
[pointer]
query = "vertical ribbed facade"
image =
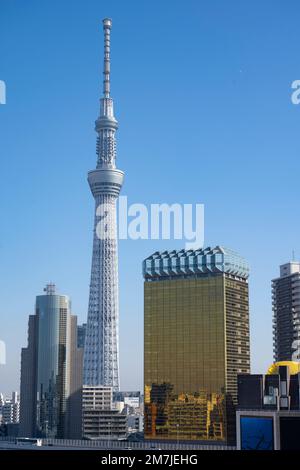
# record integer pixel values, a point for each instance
(101, 352)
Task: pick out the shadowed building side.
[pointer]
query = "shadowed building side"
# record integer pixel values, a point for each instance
(28, 382)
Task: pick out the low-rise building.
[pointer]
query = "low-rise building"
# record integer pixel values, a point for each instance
(10, 409)
(135, 423)
(104, 424)
(99, 419)
(268, 414)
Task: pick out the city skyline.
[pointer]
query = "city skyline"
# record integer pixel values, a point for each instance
(251, 209)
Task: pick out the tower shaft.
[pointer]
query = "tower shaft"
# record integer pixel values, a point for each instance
(101, 355)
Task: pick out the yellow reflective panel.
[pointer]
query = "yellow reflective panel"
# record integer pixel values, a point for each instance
(294, 367)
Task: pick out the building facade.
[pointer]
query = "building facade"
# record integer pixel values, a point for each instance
(135, 423)
(81, 332)
(101, 352)
(10, 409)
(286, 313)
(97, 396)
(131, 399)
(104, 424)
(51, 371)
(28, 387)
(196, 341)
(99, 419)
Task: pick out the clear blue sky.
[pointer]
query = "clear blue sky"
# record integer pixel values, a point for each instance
(202, 95)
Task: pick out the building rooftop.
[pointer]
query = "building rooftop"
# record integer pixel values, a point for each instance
(195, 262)
(290, 268)
(293, 367)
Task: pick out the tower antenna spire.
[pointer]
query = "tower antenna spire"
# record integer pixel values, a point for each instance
(107, 24)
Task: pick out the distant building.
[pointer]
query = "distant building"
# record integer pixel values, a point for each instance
(135, 423)
(131, 399)
(51, 371)
(1, 404)
(196, 341)
(99, 420)
(130, 403)
(81, 331)
(268, 415)
(10, 409)
(286, 313)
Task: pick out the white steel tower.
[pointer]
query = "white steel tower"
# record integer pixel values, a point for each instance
(101, 352)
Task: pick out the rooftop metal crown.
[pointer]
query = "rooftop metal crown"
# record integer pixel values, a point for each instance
(195, 262)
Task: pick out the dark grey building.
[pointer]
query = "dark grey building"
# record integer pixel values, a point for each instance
(268, 413)
(278, 390)
(28, 381)
(51, 371)
(286, 313)
(74, 405)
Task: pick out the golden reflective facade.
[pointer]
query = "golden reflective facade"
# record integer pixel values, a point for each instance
(196, 341)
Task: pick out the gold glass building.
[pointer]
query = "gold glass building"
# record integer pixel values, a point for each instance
(196, 341)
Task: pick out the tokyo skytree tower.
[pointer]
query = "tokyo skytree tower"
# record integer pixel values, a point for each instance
(101, 352)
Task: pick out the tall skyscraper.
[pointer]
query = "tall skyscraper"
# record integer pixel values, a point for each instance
(101, 352)
(286, 313)
(51, 371)
(196, 341)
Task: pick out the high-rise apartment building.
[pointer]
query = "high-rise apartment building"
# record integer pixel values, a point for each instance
(101, 351)
(286, 313)
(51, 370)
(196, 341)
